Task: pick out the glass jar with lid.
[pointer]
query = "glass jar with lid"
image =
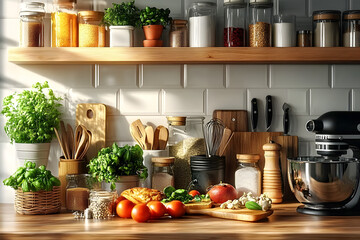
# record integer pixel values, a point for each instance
(260, 20)
(234, 21)
(163, 172)
(248, 174)
(77, 191)
(64, 24)
(304, 38)
(202, 24)
(32, 24)
(186, 139)
(179, 33)
(284, 31)
(351, 28)
(102, 204)
(91, 30)
(326, 28)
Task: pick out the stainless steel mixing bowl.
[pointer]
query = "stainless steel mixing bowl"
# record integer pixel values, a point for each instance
(320, 183)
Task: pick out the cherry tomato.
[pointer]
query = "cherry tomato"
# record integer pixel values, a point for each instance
(175, 208)
(157, 209)
(193, 193)
(124, 207)
(141, 213)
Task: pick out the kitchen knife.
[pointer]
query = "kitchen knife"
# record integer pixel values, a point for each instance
(268, 112)
(254, 114)
(286, 119)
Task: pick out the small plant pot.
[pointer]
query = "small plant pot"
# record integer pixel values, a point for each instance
(153, 43)
(153, 32)
(33, 152)
(121, 36)
(124, 183)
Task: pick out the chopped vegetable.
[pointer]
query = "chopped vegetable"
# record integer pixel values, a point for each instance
(179, 194)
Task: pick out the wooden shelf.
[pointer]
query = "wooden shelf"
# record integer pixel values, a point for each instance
(140, 55)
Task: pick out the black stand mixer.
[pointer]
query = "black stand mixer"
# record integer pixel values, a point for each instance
(329, 184)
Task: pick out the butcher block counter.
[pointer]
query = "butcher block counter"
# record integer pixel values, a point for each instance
(285, 223)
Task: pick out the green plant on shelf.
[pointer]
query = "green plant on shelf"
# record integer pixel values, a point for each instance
(123, 14)
(155, 16)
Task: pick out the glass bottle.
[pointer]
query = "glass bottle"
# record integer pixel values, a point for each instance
(179, 33)
(248, 174)
(163, 172)
(351, 28)
(64, 24)
(235, 18)
(77, 191)
(284, 33)
(186, 139)
(260, 20)
(326, 28)
(91, 31)
(304, 38)
(32, 24)
(102, 204)
(202, 24)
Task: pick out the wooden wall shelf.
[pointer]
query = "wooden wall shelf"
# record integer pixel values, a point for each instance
(140, 55)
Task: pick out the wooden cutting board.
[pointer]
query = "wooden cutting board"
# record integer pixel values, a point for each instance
(235, 120)
(93, 117)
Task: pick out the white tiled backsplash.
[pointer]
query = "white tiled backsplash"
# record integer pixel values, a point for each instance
(153, 91)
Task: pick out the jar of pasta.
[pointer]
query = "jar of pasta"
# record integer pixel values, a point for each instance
(64, 24)
(91, 31)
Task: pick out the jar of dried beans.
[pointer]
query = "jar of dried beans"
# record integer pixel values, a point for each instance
(163, 173)
(235, 18)
(102, 204)
(326, 28)
(351, 28)
(64, 24)
(179, 33)
(260, 20)
(91, 32)
(32, 24)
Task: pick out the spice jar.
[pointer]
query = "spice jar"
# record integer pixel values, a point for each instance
(260, 19)
(248, 174)
(91, 31)
(304, 38)
(163, 173)
(32, 24)
(202, 24)
(179, 33)
(186, 139)
(284, 34)
(351, 28)
(77, 191)
(235, 18)
(326, 28)
(64, 24)
(102, 204)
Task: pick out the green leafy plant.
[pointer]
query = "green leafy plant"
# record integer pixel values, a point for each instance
(29, 178)
(155, 16)
(32, 115)
(125, 13)
(176, 194)
(114, 162)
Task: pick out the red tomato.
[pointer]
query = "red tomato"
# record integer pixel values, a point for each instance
(157, 209)
(175, 208)
(119, 199)
(141, 213)
(193, 193)
(124, 207)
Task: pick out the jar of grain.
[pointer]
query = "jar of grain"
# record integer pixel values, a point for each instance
(284, 33)
(304, 38)
(248, 174)
(351, 28)
(91, 30)
(163, 173)
(186, 139)
(64, 24)
(235, 18)
(77, 191)
(260, 19)
(326, 28)
(179, 33)
(32, 24)
(102, 204)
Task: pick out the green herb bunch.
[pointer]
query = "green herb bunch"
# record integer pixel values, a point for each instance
(155, 16)
(31, 115)
(29, 178)
(114, 162)
(125, 13)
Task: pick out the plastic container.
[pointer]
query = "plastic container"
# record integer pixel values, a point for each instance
(32, 24)
(78, 191)
(304, 38)
(351, 28)
(326, 28)
(284, 33)
(248, 174)
(179, 36)
(163, 172)
(260, 20)
(235, 22)
(91, 32)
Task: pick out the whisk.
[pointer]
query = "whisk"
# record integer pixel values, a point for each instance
(213, 133)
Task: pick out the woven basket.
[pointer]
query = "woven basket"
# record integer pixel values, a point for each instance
(42, 202)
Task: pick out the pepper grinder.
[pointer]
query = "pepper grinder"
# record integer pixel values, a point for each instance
(272, 176)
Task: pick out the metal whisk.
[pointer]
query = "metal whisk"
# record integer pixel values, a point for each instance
(213, 133)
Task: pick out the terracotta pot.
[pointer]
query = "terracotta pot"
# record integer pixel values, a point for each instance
(153, 43)
(153, 32)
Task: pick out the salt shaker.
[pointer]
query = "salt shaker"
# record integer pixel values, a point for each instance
(248, 174)
(272, 184)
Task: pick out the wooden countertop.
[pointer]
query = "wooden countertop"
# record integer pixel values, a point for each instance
(285, 223)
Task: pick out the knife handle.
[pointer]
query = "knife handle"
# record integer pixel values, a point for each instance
(254, 113)
(269, 111)
(286, 122)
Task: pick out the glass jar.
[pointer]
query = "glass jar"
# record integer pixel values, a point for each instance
(77, 191)
(186, 139)
(179, 33)
(326, 28)
(64, 24)
(260, 19)
(91, 30)
(284, 33)
(235, 18)
(32, 24)
(202, 24)
(351, 28)
(248, 174)
(102, 204)
(304, 38)
(163, 172)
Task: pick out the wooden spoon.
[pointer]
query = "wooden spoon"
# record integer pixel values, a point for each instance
(83, 141)
(87, 145)
(149, 140)
(156, 138)
(77, 137)
(64, 139)
(137, 140)
(60, 142)
(70, 135)
(138, 131)
(227, 135)
(163, 137)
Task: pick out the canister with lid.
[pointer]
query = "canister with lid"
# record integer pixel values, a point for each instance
(91, 31)
(77, 191)
(284, 34)
(163, 172)
(351, 28)
(235, 20)
(326, 28)
(32, 24)
(179, 33)
(248, 174)
(260, 20)
(304, 38)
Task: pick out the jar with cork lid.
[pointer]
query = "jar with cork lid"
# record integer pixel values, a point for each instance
(351, 28)
(260, 20)
(179, 33)
(163, 172)
(326, 28)
(91, 30)
(248, 174)
(32, 24)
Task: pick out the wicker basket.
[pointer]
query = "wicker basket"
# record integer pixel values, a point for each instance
(42, 202)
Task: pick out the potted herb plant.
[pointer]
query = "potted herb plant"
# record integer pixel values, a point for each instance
(122, 19)
(118, 168)
(154, 21)
(31, 117)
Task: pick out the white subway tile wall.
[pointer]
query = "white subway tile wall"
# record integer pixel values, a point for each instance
(151, 92)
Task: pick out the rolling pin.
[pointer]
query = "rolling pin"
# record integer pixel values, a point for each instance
(272, 184)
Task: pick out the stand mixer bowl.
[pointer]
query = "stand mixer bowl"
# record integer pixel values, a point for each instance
(323, 184)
